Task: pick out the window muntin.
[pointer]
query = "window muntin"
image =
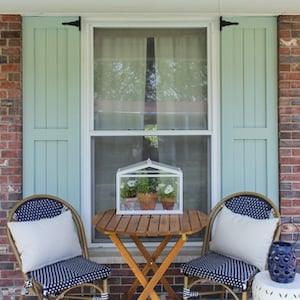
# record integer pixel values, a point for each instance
(150, 101)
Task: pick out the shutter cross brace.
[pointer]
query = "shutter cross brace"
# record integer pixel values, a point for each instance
(76, 23)
(224, 23)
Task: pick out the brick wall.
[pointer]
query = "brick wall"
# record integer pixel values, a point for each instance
(11, 145)
(122, 278)
(289, 122)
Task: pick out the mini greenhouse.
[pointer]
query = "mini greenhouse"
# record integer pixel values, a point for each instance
(149, 187)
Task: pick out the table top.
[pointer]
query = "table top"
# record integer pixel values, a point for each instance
(152, 225)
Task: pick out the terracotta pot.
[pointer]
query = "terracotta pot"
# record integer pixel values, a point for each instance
(168, 203)
(129, 203)
(147, 201)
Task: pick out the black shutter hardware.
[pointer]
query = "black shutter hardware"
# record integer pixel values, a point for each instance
(224, 23)
(76, 23)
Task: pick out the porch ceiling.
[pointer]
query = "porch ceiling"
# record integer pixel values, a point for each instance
(92, 7)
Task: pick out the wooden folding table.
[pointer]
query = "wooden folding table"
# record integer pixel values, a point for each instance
(150, 225)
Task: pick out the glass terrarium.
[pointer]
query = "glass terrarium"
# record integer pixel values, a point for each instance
(149, 187)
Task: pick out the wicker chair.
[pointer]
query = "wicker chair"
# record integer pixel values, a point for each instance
(74, 277)
(216, 271)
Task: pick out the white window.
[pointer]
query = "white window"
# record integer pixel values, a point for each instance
(148, 94)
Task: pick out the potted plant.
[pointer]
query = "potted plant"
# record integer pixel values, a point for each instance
(128, 192)
(147, 192)
(167, 190)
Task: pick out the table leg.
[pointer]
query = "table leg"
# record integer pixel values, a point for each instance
(149, 259)
(151, 265)
(148, 289)
(132, 264)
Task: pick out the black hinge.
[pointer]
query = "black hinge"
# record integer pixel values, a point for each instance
(76, 23)
(224, 23)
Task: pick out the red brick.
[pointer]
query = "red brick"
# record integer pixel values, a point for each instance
(285, 84)
(290, 211)
(284, 19)
(295, 152)
(295, 19)
(284, 51)
(10, 85)
(11, 68)
(3, 94)
(11, 18)
(285, 33)
(10, 141)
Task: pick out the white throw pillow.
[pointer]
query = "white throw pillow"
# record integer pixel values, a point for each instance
(242, 237)
(46, 241)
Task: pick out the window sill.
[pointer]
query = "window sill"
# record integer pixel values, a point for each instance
(111, 255)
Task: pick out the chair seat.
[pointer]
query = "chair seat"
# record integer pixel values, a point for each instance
(220, 269)
(71, 272)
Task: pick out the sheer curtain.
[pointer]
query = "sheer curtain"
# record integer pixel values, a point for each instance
(119, 82)
(181, 81)
(150, 79)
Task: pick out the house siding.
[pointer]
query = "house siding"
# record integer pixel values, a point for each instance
(11, 147)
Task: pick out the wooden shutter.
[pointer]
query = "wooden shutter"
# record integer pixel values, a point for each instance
(249, 106)
(51, 141)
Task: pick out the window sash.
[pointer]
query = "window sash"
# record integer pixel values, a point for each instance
(133, 82)
(212, 104)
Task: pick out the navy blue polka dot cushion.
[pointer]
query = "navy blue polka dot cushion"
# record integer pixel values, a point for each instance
(221, 269)
(250, 206)
(64, 274)
(38, 209)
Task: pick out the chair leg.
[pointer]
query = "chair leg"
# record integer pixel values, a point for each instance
(104, 295)
(185, 287)
(244, 295)
(222, 294)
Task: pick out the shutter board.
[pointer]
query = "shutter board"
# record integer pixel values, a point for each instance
(249, 106)
(51, 106)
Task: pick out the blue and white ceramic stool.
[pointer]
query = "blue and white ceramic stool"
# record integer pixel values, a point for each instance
(264, 288)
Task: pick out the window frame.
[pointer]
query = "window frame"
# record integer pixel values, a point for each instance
(146, 21)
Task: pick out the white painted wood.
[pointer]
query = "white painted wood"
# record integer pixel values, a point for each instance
(90, 7)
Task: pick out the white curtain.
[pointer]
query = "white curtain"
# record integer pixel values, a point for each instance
(119, 82)
(181, 81)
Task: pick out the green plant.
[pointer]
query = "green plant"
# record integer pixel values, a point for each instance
(167, 188)
(153, 139)
(146, 185)
(128, 188)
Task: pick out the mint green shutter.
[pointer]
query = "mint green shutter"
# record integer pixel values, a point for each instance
(249, 106)
(51, 73)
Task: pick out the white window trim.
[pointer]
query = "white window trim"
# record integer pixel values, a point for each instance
(144, 21)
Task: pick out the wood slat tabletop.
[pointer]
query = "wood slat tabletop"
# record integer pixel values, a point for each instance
(189, 222)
